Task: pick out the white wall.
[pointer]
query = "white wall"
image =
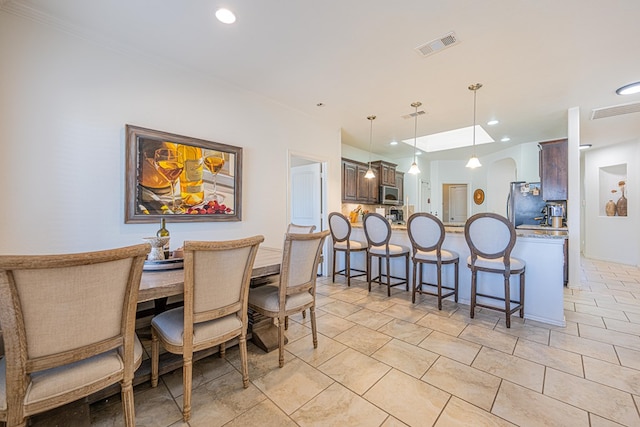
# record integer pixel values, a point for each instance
(64, 103)
(612, 238)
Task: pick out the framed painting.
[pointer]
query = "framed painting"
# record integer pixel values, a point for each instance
(180, 178)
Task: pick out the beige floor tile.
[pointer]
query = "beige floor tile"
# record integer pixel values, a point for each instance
(265, 413)
(221, 400)
(445, 325)
(525, 407)
(520, 371)
(376, 303)
(363, 339)
(584, 346)
(408, 358)
(608, 336)
(405, 331)
(629, 358)
(633, 317)
(490, 338)
(297, 331)
(204, 370)
(584, 319)
(602, 312)
(614, 375)
(408, 399)
(622, 326)
(393, 422)
(260, 363)
(451, 347)
(524, 330)
(627, 308)
(349, 296)
(550, 356)
(340, 308)
(593, 397)
(570, 328)
(459, 413)
(482, 317)
(597, 421)
(327, 348)
(293, 385)
(354, 370)
(331, 325)
(407, 312)
(369, 318)
(338, 406)
(470, 384)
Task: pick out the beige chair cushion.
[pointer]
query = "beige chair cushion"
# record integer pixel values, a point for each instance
(170, 326)
(393, 250)
(52, 382)
(497, 263)
(353, 245)
(447, 255)
(267, 298)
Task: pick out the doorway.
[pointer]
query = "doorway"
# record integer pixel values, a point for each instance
(454, 203)
(307, 195)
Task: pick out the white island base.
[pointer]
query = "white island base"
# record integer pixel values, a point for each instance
(542, 251)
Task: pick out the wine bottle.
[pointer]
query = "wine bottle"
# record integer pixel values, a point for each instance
(191, 187)
(163, 232)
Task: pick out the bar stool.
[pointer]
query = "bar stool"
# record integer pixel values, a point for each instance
(426, 233)
(491, 238)
(340, 233)
(378, 233)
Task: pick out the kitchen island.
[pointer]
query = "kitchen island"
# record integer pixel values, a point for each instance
(541, 249)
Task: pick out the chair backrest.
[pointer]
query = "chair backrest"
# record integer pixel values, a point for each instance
(60, 309)
(339, 226)
(377, 229)
(300, 258)
(426, 232)
(295, 228)
(217, 275)
(489, 235)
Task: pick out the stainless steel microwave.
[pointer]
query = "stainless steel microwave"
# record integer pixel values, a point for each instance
(389, 195)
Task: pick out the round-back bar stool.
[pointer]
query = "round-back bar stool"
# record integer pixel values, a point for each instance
(340, 228)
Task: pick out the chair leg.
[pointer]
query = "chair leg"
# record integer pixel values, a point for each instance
(222, 350)
(242, 343)
(388, 266)
(333, 274)
(522, 295)
(507, 299)
(439, 283)
(187, 372)
(155, 356)
(369, 270)
(314, 331)
(304, 314)
(280, 342)
(473, 294)
(286, 323)
(347, 267)
(128, 406)
(455, 281)
(415, 270)
(406, 272)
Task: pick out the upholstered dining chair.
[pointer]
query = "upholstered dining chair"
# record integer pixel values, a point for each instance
(491, 238)
(68, 323)
(378, 232)
(427, 234)
(340, 228)
(296, 289)
(216, 284)
(295, 228)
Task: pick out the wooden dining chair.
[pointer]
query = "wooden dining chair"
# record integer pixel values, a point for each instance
(295, 228)
(68, 323)
(216, 283)
(491, 238)
(296, 289)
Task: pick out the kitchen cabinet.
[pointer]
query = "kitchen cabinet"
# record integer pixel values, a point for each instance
(554, 172)
(355, 187)
(385, 172)
(349, 181)
(400, 185)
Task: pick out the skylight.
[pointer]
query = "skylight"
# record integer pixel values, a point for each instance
(448, 140)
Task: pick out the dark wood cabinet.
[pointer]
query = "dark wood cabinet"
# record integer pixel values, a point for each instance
(554, 172)
(400, 185)
(386, 172)
(349, 181)
(355, 187)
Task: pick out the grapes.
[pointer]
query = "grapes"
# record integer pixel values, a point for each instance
(210, 208)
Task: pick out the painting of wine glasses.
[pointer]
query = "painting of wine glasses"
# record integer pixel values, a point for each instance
(180, 178)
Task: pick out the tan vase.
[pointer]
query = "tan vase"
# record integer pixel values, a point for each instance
(621, 206)
(610, 208)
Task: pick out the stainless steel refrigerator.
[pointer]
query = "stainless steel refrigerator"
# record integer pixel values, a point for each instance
(525, 204)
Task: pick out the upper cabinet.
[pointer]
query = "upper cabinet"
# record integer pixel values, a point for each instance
(386, 172)
(400, 185)
(554, 176)
(355, 187)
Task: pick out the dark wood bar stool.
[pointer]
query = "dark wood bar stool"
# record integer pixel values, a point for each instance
(491, 238)
(341, 235)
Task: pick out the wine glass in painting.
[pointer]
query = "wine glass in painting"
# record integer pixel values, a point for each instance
(169, 163)
(214, 161)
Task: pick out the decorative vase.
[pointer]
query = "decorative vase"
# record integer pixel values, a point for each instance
(610, 208)
(621, 205)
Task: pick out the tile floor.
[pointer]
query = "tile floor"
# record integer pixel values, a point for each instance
(382, 361)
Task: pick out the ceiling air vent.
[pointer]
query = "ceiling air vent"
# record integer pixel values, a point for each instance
(409, 116)
(616, 110)
(438, 44)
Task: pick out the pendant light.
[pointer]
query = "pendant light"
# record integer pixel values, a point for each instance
(414, 169)
(474, 162)
(370, 174)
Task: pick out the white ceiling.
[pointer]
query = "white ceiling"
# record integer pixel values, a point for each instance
(536, 59)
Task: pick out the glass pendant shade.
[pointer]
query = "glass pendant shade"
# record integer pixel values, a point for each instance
(474, 162)
(370, 174)
(414, 169)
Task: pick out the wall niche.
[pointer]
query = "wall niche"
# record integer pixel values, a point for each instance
(613, 190)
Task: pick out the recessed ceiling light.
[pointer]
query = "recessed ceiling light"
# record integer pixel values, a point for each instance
(320, 104)
(492, 122)
(629, 89)
(505, 139)
(225, 16)
(393, 143)
(584, 146)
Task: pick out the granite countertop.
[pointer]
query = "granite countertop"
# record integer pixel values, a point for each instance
(530, 231)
